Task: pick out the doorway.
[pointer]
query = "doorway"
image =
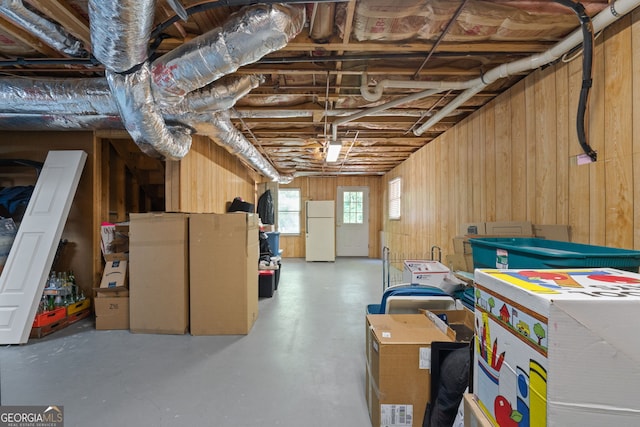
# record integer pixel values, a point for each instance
(352, 221)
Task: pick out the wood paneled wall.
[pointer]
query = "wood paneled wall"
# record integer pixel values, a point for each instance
(207, 179)
(516, 159)
(316, 188)
(82, 230)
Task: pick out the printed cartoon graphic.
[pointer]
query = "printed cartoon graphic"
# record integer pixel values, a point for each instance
(537, 394)
(539, 331)
(523, 396)
(550, 278)
(492, 303)
(504, 314)
(523, 328)
(505, 415)
(609, 278)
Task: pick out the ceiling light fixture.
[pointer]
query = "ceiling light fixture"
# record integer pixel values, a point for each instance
(333, 151)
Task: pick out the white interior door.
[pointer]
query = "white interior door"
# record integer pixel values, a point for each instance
(29, 261)
(352, 221)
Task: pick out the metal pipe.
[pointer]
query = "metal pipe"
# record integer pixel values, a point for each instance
(605, 18)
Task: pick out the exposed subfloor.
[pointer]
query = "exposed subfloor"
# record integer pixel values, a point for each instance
(302, 364)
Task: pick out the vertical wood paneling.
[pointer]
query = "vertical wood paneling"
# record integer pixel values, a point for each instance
(490, 156)
(545, 147)
(207, 179)
(597, 136)
(503, 159)
(482, 162)
(618, 127)
(635, 54)
(518, 153)
(562, 144)
(316, 188)
(533, 155)
(477, 166)
(531, 140)
(579, 193)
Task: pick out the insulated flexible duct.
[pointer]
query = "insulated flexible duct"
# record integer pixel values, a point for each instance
(120, 32)
(142, 119)
(52, 34)
(225, 134)
(248, 35)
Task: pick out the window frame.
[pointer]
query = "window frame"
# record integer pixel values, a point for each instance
(299, 211)
(395, 199)
(360, 203)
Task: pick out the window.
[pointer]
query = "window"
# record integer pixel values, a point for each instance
(289, 210)
(395, 193)
(353, 207)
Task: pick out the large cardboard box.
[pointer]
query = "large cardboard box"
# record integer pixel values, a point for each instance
(112, 313)
(558, 347)
(398, 367)
(115, 271)
(224, 252)
(552, 232)
(509, 228)
(159, 273)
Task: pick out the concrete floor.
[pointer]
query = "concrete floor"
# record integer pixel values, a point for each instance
(302, 365)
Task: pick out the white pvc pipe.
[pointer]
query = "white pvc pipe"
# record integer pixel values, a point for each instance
(376, 93)
(605, 18)
(377, 109)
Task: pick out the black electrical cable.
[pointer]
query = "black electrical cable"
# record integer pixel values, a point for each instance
(587, 64)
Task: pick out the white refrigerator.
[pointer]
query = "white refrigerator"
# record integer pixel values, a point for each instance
(321, 231)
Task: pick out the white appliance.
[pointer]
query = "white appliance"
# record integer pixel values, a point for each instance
(321, 231)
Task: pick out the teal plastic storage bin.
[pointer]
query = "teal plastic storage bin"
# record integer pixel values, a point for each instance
(521, 252)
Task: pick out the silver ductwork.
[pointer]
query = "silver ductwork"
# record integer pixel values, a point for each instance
(56, 96)
(217, 97)
(120, 32)
(222, 131)
(129, 96)
(249, 35)
(142, 118)
(51, 33)
(141, 94)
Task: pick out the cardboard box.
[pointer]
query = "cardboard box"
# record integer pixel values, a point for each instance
(424, 272)
(159, 273)
(473, 228)
(552, 232)
(115, 271)
(509, 228)
(398, 368)
(224, 252)
(112, 313)
(473, 415)
(554, 345)
(459, 324)
(110, 293)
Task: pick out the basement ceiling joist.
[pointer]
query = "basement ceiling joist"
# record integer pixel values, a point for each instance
(315, 80)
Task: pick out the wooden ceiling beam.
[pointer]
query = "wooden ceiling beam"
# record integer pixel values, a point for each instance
(61, 12)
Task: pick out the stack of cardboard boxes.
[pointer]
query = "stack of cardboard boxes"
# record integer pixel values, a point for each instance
(184, 273)
(111, 296)
(399, 362)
